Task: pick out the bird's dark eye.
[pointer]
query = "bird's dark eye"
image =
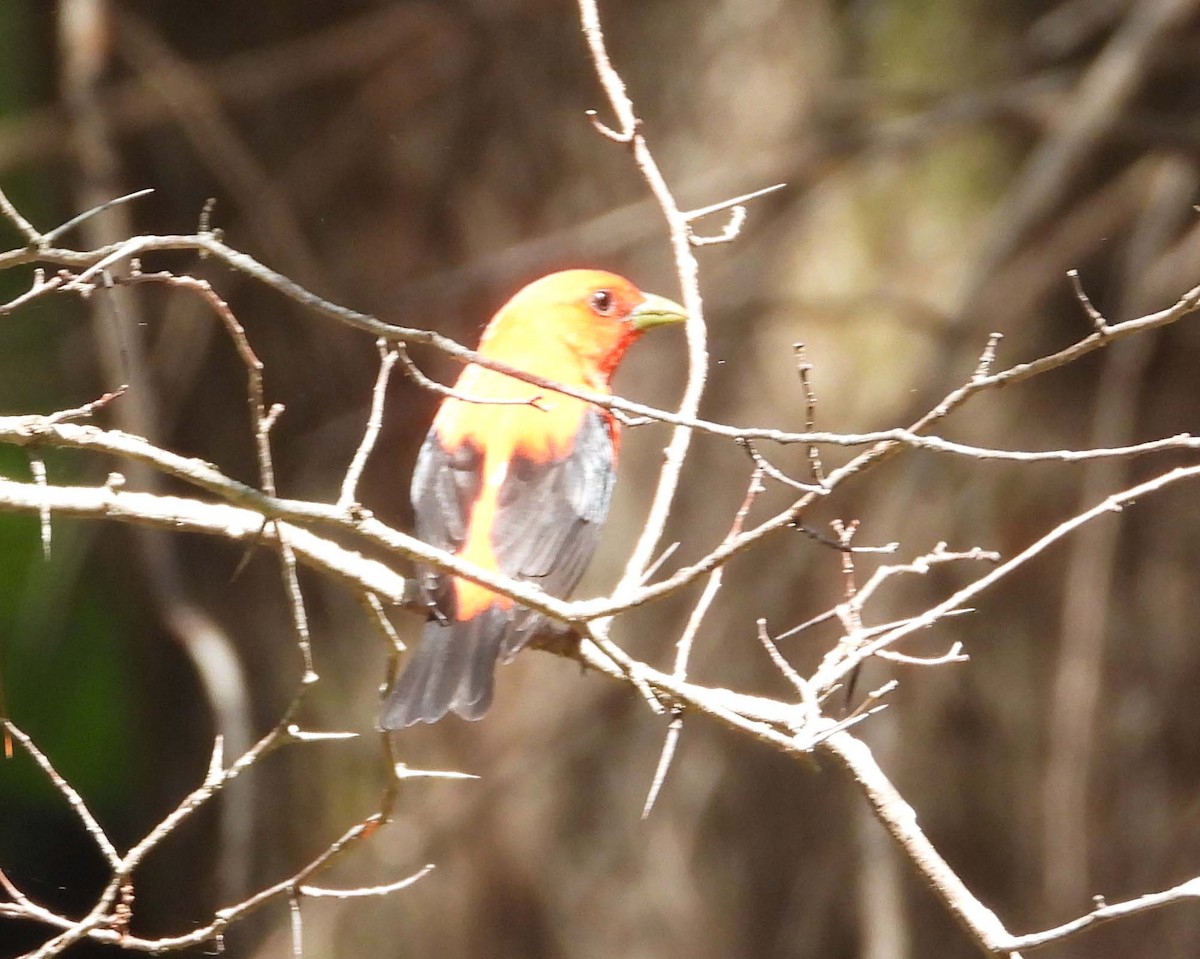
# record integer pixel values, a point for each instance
(603, 302)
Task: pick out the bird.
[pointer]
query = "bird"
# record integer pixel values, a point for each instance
(521, 485)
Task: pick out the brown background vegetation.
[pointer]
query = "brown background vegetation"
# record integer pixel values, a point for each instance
(947, 163)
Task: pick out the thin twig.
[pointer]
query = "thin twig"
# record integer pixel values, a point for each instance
(775, 473)
(683, 648)
(799, 683)
(12, 891)
(1097, 318)
(88, 409)
(37, 468)
(1106, 913)
(38, 288)
(922, 565)
(26, 228)
(988, 356)
(954, 654)
(296, 924)
(729, 232)
(378, 615)
(52, 235)
(318, 892)
(1111, 504)
(692, 215)
(387, 360)
(804, 370)
(414, 373)
(68, 792)
(687, 269)
(262, 419)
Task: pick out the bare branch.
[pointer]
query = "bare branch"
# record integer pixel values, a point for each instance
(230, 522)
(387, 360)
(1105, 913)
(729, 232)
(52, 235)
(776, 474)
(953, 655)
(692, 215)
(1111, 504)
(1097, 318)
(26, 228)
(415, 374)
(37, 468)
(67, 791)
(804, 369)
(317, 892)
(683, 648)
(900, 821)
(687, 269)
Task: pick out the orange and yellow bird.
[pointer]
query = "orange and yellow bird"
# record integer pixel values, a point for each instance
(519, 489)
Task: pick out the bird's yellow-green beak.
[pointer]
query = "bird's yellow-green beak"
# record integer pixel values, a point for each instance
(656, 311)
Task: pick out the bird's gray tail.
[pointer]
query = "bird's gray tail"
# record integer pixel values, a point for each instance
(451, 670)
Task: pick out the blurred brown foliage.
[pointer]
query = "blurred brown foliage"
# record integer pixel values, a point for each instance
(947, 163)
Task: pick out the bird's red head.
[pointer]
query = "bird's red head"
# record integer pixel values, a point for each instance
(575, 325)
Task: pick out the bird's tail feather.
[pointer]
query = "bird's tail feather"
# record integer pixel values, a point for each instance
(451, 670)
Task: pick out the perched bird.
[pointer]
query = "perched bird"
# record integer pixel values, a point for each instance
(517, 488)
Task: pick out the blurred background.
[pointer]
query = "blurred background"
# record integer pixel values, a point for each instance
(947, 162)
